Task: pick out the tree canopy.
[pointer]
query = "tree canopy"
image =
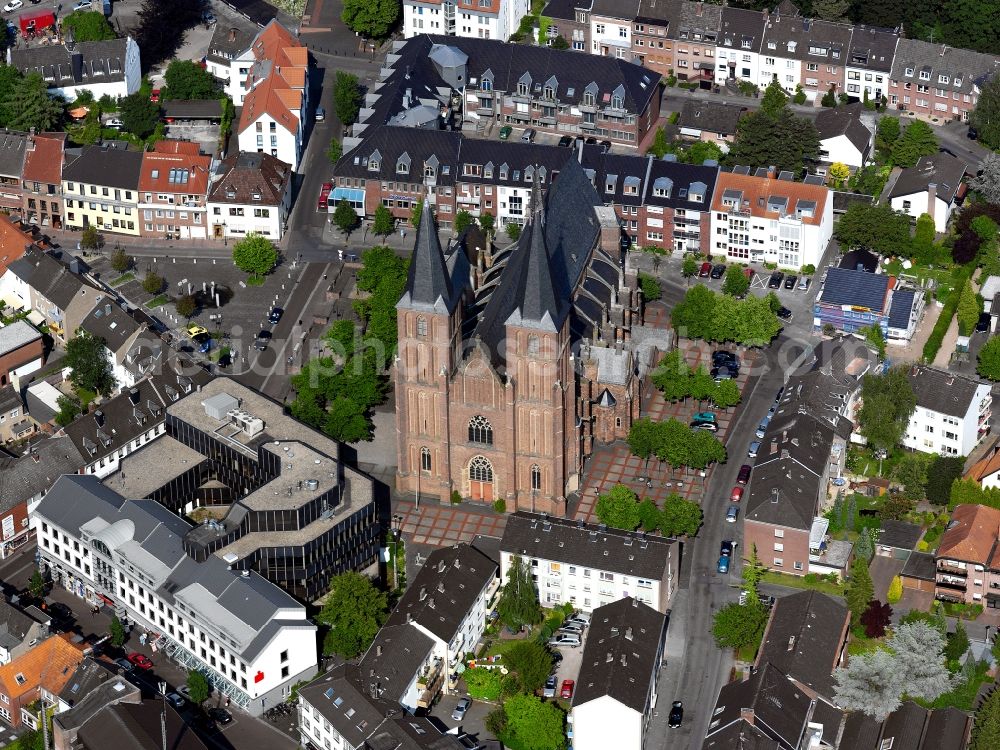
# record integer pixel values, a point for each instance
(198, 687)
(255, 254)
(186, 79)
(876, 227)
(518, 603)
(27, 104)
(533, 724)
(783, 141)
(860, 588)
(618, 508)
(88, 359)
(916, 140)
(88, 26)
(346, 97)
(987, 180)
(736, 283)
(703, 314)
(372, 19)
(354, 610)
(988, 362)
(736, 626)
(774, 100)
(888, 402)
(139, 115)
(985, 118)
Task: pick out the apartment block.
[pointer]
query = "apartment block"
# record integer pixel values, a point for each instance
(587, 565)
(41, 180)
(968, 558)
(101, 189)
(173, 185)
(952, 414)
(479, 19)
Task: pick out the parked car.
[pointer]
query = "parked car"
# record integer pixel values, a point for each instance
(744, 476)
(582, 617)
(775, 280)
(676, 714)
(718, 271)
(262, 341)
(705, 271)
(726, 548)
(459, 712)
(275, 315)
(737, 494)
(15, 4)
(778, 395)
(323, 203)
(762, 427)
(566, 691)
(566, 140)
(125, 665)
(202, 342)
(723, 566)
(972, 134)
(704, 416)
(505, 132)
(723, 357)
(767, 601)
(804, 283)
(565, 639)
(140, 660)
(754, 447)
(731, 513)
(700, 424)
(784, 313)
(528, 136)
(983, 324)
(194, 330)
(571, 629)
(175, 700)
(790, 281)
(220, 716)
(115, 123)
(549, 691)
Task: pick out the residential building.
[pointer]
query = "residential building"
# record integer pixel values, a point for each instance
(589, 566)
(138, 726)
(12, 150)
(274, 94)
(693, 30)
(293, 511)
(897, 539)
(22, 351)
(934, 80)
(490, 19)
(38, 282)
(804, 52)
(20, 630)
(616, 689)
(869, 62)
(714, 122)
(120, 330)
(105, 68)
(41, 180)
(952, 413)
(611, 24)
(96, 689)
(101, 189)
(15, 238)
(230, 40)
(934, 186)
(844, 136)
(250, 192)
(14, 421)
(854, 299)
(250, 639)
(770, 218)
(806, 638)
(652, 46)
(738, 49)
(446, 606)
(986, 470)
(40, 673)
(173, 191)
(967, 559)
(460, 427)
(769, 710)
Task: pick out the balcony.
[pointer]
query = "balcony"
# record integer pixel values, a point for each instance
(430, 684)
(953, 584)
(948, 596)
(955, 570)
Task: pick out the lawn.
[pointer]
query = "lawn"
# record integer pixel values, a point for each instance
(749, 652)
(85, 397)
(157, 301)
(799, 582)
(123, 278)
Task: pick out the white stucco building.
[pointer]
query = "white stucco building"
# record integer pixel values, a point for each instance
(250, 192)
(251, 639)
(952, 414)
(482, 19)
(111, 67)
(934, 186)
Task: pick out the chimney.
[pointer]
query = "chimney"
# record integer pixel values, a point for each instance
(628, 633)
(99, 418)
(378, 650)
(611, 657)
(430, 602)
(772, 172)
(624, 661)
(932, 199)
(441, 587)
(232, 35)
(423, 593)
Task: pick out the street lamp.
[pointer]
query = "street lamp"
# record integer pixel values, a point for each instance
(397, 522)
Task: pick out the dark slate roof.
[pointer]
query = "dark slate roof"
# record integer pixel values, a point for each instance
(860, 257)
(811, 40)
(88, 63)
(539, 304)
(860, 732)
(872, 47)
(30, 475)
(622, 655)
(783, 493)
(385, 146)
(104, 165)
(899, 534)
(47, 276)
(193, 109)
(905, 726)
(12, 149)
(589, 545)
(900, 308)
(687, 19)
(961, 66)
(230, 38)
(714, 117)
(843, 200)
(739, 26)
(625, 9)
(943, 170)
(256, 11)
(739, 735)
(89, 675)
(947, 729)
(112, 324)
(858, 288)
(340, 698)
(444, 590)
(137, 727)
(243, 176)
(803, 638)
(561, 9)
(14, 624)
(942, 391)
(920, 565)
(428, 284)
(835, 121)
(398, 651)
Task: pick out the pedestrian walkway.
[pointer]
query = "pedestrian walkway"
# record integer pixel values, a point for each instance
(443, 525)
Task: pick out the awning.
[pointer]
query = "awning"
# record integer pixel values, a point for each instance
(349, 194)
(36, 318)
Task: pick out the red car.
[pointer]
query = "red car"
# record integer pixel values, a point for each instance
(324, 196)
(567, 689)
(705, 270)
(737, 494)
(748, 272)
(154, 95)
(140, 660)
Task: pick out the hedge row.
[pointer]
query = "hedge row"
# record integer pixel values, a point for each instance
(936, 338)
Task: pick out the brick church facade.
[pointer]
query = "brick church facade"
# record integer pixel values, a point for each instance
(511, 365)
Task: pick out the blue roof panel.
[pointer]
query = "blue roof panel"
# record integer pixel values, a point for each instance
(899, 310)
(846, 286)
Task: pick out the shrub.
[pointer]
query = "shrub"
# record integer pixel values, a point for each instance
(500, 505)
(808, 270)
(936, 338)
(456, 497)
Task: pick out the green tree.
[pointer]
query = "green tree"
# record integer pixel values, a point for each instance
(753, 572)
(91, 240)
(186, 305)
(383, 224)
(139, 115)
(660, 145)
(198, 687)
(958, 643)
(643, 437)
(886, 134)
(941, 474)
(860, 589)
(701, 151)
(88, 359)
(88, 26)
(895, 592)
(650, 517)
(69, 409)
(970, 305)
(372, 19)
(726, 394)
(347, 96)
(916, 140)
(518, 603)
(987, 180)
(335, 151)
(672, 376)
(533, 724)
(619, 508)
(345, 217)
(36, 585)
(680, 517)
(117, 632)
(988, 362)
(152, 282)
(463, 220)
(346, 420)
(560, 42)
(831, 10)
(985, 118)
(530, 663)
(986, 731)
(650, 286)
(874, 336)
(689, 267)
(255, 255)
(188, 80)
(924, 249)
(839, 172)
(774, 100)
(484, 684)
(416, 211)
(737, 626)
(488, 223)
(513, 230)
(695, 316)
(785, 141)
(120, 260)
(888, 402)
(27, 105)
(353, 610)
(736, 283)
(877, 227)
(911, 472)
(800, 97)
(830, 98)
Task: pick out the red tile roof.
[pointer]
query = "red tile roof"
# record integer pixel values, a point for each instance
(279, 94)
(177, 147)
(13, 241)
(49, 664)
(757, 190)
(44, 159)
(971, 535)
(174, 173)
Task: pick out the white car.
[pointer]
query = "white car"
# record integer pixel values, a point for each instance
(13, 5)
(83, 5)
(565, 639)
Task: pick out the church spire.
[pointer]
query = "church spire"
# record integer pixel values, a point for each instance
(429, 283)
(538, 299)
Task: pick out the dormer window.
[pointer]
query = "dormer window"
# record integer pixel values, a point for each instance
(772, 44)
(746, 43)
(549, 92)
(486, 85)
(943, 79)
(925, 75)
(908, 72)
(429, 171)
(529, 174)
(374, 165)
(617, 102)
(588, 98)
(402, 167)
(522, 88)
(488, 172)
(792, 46)
(503, 173)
